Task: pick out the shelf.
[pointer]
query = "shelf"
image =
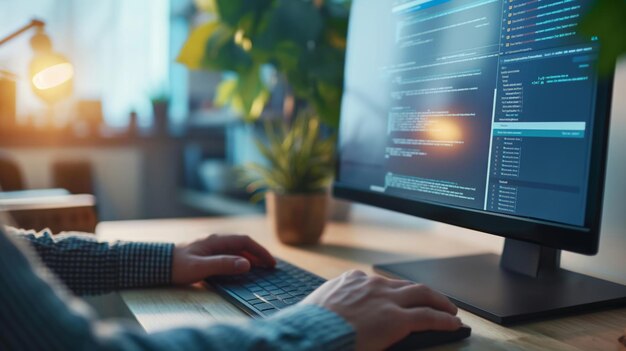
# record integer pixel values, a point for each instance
(218, 204)
(39, 139)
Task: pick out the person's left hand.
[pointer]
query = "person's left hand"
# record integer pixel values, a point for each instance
(217, 254)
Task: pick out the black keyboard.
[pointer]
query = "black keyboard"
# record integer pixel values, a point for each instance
(263, 292)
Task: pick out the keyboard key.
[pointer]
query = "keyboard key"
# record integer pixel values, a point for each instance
(270, 312)
(291, 301)
(267, 308)
(263, 306)
(268, 290)
(279, 304)
(243, 293)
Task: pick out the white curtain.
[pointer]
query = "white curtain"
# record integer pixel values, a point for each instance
(119, 48)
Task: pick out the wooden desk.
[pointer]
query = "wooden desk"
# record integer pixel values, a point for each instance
(350, 246)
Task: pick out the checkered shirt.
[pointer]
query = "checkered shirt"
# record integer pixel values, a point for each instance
(89, 267)
(37, 313)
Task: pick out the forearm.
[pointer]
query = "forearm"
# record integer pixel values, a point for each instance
(89, 267)
(299, 328)
(37, 315)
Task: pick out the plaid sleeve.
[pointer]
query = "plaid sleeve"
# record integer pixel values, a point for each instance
(144, 264)
(89, 267)
(36, 313)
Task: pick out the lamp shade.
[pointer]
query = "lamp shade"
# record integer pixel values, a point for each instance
(51, 76)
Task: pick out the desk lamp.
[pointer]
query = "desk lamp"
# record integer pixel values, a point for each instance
(50, 72)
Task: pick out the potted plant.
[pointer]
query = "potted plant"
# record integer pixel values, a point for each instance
(303, 44)
(160, 106)
(295, 179)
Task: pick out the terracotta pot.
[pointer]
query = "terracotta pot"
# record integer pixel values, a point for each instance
(297, 219)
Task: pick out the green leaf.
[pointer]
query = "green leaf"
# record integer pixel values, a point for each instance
(231, 11)
(258, 197)
(226, 91)
(252, 92)
(223, 54)
(303, 39)
(246, 94)
(286, 54)
(300, 159)
(299, 22)
(192, 53)
(206, 5)
(607, 20)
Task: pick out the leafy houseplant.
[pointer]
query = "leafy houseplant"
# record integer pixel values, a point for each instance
(300, 165)
(303, 40)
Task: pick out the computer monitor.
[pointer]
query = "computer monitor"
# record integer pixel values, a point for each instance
(490, 115)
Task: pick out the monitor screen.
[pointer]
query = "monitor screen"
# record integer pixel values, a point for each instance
(486, 105)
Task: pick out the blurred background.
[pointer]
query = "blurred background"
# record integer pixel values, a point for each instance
(138, 130)
(142, 132)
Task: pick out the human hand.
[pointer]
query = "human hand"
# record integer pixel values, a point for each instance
(217, 254)
(384, 311)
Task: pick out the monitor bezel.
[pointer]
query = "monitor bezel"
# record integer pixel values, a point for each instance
(584, 240)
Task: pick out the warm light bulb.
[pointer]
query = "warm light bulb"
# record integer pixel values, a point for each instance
(53, 76)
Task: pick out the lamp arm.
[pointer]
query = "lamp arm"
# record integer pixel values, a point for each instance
(33, 23)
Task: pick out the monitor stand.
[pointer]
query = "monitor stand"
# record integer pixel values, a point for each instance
(523, 284)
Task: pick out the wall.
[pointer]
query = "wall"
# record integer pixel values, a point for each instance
(615, 193)
(117, 173)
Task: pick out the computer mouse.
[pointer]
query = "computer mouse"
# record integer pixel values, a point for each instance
(421, 340)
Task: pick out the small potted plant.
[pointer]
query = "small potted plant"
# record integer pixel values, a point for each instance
(295, 178)
(160, 105)
(273, 49)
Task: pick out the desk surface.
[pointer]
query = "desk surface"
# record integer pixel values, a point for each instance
(350, 246)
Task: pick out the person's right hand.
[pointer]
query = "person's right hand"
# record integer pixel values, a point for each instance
(384, 311)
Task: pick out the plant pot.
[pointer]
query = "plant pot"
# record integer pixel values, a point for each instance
(160, 122)
(297, 219)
